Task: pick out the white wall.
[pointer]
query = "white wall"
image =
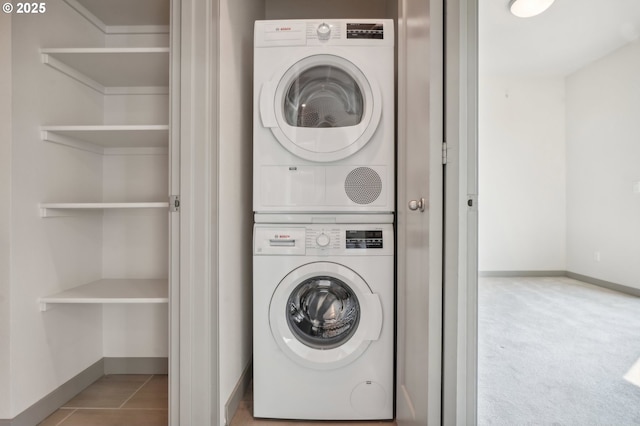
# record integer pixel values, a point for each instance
(235, 191)
(603, 165)
(134, 245)
(47, 256)
(5, 213)
(292, 9)
(521, 174)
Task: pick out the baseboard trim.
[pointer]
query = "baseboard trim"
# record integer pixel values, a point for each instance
(136, 365)
(584, 278)
(606, 284)
(238, 392)
(58, 397)
(522, 273)
(405, 403)
(54, 400)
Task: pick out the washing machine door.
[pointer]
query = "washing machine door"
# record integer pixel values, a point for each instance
(323, 108)
(323, 315)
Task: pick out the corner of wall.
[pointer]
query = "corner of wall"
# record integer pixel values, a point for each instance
(602, 101)
(58, 345)
(5, 212)
(235, 189)
(236, 396)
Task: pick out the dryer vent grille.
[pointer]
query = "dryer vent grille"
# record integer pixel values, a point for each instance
(363, 185)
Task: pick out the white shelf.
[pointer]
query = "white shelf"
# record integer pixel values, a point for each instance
(69, 209)
(114, 70)
(125, 16)
(112, 291)
(111, 139)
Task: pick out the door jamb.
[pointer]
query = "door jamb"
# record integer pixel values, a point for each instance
(459, 399)
(194, 321)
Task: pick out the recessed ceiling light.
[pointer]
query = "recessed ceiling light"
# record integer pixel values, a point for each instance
(529, 8)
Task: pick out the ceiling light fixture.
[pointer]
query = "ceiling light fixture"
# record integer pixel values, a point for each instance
(529, 8)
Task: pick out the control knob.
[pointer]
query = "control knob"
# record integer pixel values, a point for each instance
(324, 31)
(323, 240)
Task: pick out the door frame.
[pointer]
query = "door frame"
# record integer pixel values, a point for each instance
(420, 26)
(194, 298)
(193, 303)
(460, 282)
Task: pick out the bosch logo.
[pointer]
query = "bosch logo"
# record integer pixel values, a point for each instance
(278, 236)
(283, 29)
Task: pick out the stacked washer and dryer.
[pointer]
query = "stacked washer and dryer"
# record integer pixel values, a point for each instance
(323, 198)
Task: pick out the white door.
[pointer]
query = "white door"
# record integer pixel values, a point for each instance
(438, 306)
(420, 232)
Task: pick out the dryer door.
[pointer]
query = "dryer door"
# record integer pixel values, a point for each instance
(323, 315)
(322, 109)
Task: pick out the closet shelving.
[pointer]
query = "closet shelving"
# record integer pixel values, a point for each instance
(70, 209)
(125, 16)
(109, 139)
(113, 71)
(111, 291)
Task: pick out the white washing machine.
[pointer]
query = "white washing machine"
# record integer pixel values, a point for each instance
(324, 138)
(323, 321)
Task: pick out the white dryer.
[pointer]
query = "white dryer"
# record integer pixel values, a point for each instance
(324, 137)
(323, 321)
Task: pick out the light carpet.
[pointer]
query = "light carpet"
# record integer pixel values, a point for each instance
(555, 351)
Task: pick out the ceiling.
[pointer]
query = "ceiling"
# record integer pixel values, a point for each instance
(568, 36)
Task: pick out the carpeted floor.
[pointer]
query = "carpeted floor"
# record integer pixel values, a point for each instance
(554, 351)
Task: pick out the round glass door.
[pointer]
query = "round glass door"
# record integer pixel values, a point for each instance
(323, 108)
(323, 315)
(323, 312)
(324, 96)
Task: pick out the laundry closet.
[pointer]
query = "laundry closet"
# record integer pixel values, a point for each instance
(93, 258)
(236, 121)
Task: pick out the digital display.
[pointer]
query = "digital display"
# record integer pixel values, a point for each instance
(364, 239)
(364, 234)
(365, 30)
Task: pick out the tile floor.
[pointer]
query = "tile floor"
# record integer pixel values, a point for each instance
(142, 400)
(244, 417)
(117, 400)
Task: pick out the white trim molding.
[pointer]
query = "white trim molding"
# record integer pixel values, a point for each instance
(196, 322)
(459, 388)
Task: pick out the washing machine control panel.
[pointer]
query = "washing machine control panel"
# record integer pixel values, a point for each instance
(355, 240)
(323, 240)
